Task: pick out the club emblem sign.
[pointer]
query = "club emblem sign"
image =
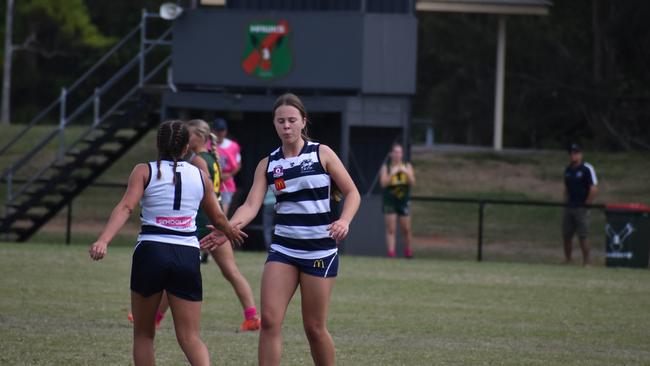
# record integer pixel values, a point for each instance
(267, 54)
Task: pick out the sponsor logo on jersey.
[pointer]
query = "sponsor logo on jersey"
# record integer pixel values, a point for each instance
(318, 263)
(280, 184)
(175, 222)
(307, 166)
(278, 171)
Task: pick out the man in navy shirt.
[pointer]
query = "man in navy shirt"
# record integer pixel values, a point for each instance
(579, 189)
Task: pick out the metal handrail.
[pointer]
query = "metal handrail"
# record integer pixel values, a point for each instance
(83, 107)
(488, 201)
(54, 133)
(74, 85)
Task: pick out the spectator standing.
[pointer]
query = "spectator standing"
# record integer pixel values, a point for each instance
(229, 153)
(580, 188)
(397, 178)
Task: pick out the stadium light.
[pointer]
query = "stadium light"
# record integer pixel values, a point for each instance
(170, 11)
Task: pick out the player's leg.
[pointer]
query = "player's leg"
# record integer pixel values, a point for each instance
(582, 217)
(226, 200)
(147, 270)
(405, 227)
(568, 229)
(315, 295)
(390, 220)
(185, 294)
(144, 314)
(279, 283)
(162, 309)
(187, 319)
(225, 259)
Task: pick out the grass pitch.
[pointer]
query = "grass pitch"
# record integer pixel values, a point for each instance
(60, 308)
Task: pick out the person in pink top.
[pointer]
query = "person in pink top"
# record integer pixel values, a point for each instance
(229, 151)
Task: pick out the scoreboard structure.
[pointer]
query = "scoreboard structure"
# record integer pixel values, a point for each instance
(354, 70)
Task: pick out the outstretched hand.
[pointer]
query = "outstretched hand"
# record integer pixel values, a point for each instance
(217, 238)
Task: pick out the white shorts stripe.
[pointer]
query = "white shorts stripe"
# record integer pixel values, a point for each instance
(303, 254)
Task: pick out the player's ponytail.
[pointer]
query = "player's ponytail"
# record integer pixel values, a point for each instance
(214, 144)
(171, 140)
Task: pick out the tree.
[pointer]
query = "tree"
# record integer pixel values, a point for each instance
(49, 29)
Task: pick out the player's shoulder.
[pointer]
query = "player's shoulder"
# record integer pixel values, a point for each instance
(586, 165)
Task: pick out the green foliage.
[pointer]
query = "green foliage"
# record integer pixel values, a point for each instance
(580, 73)
(69, 18)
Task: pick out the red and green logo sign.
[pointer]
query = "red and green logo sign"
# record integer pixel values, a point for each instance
(267, 54)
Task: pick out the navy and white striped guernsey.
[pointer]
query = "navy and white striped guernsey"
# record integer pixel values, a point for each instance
(302, 191)
(169, 209)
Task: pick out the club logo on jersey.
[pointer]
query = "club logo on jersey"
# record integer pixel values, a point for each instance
(578, 174)
(179, 222)
(278, 171)
(318, 263)
(279, 184)
(307, 166)
(267, 53)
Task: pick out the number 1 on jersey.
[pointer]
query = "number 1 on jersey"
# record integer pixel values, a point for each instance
(178, 190)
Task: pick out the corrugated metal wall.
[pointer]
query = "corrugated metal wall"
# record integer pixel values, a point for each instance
(372, 6)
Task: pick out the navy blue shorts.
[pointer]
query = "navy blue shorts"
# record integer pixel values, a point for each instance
(161, 266)
(322, 267)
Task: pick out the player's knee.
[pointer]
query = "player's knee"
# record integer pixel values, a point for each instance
(315, 331)
(269, 323)
(187, 339)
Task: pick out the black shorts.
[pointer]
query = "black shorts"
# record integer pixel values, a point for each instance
(161, 266)
(325, 267)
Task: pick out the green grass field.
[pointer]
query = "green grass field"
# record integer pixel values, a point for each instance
(60, 308)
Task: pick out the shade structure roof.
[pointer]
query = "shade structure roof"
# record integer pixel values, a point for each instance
(505, 7)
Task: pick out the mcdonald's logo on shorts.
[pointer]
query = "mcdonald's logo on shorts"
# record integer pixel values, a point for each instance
(318, 263)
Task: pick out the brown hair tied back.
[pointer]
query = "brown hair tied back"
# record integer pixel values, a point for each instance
(172, 138)
(292, 100)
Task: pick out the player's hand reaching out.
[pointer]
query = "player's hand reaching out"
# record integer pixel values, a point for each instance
(217, 238)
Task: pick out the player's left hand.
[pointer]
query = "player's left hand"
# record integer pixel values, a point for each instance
(97, 251)
(339, 230)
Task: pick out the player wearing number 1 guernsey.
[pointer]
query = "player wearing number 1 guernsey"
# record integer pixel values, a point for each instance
(208, 162)
(166, 256)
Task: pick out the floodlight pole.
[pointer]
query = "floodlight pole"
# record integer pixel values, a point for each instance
(499, 84)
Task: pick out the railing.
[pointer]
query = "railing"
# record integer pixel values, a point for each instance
(90, 104)
(481, 205)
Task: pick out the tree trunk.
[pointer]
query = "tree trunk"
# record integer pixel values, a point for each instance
(597, 33)
(5, 112)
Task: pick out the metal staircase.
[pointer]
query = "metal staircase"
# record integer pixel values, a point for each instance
(114, 116)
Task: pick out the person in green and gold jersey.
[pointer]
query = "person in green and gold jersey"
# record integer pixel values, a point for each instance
(397, 178)
(208, 161)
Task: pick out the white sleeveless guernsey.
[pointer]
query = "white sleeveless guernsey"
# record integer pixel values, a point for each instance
(168, 209)
(302, 212)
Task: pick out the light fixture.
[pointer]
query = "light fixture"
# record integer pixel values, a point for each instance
(170, 11)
